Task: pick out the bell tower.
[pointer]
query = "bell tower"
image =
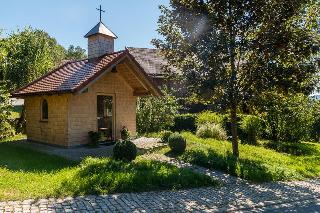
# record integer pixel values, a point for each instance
(100, 39)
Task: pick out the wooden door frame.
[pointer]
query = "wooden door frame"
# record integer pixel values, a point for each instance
(113, 95)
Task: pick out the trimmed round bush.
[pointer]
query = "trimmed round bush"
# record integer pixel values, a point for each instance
(211, 131)
(177, 143)
(165, 135)
(125, 150)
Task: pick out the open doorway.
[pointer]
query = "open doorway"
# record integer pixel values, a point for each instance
(105, 117)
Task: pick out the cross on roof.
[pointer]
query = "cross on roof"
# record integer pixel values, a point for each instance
(100, 10)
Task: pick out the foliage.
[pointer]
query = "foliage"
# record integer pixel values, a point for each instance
(211, 131)
(165, 136)
(28, 55)
(104, 176)
(125, 133)
(177, 143)
(153, 134)
(75, 53)
(94, 138)
(288, 118)
(6, 130)
(251, 128)
(32, 174)
(184, 122)
(255, 163)
(315, 131)
(125, 150)
(156, 113)
(231, 52)
(208, 117)
(293, 148)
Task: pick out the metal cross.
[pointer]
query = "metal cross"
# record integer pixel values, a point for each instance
(100, 10)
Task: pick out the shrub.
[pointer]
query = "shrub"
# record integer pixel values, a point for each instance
(184, 122)
(94, 138)
(165, 135)
(251, 127)
(125, 133)
(155, 114)
(298, 149)
(288, 118)
(315, 131)
(208, 117)
(177, 143)
(6, 130)
(211, 131)
(125, 150)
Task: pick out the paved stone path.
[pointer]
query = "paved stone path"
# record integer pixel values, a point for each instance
(229, 198)
(234, 195)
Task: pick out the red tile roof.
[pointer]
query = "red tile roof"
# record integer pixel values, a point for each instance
(69, 76)
(72, 76)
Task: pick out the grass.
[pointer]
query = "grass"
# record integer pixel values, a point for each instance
(257, 164)
(99, 176)
(25, 174)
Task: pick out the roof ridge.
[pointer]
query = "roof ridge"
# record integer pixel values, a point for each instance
(142, 48)
(107, 54)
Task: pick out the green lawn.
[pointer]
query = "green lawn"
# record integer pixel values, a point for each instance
(257, 164)
(25, 173)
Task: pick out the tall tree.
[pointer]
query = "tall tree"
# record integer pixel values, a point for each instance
(75, 53)
(27, 55)
(231, 51)
(2, 56)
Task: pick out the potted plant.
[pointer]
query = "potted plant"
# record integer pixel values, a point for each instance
(125, 133)
(94, 138)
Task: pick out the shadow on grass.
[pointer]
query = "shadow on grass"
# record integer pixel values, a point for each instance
(102, 176)
(247, 169)
(16, 158)
(297, 148)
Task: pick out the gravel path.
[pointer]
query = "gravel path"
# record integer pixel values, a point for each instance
(234, 195)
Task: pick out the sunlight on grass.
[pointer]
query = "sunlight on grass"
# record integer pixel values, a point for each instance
(99, 176)
(25, 174)
(257, 164)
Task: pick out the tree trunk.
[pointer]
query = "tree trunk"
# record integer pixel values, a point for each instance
(233, 93)
(234, 131)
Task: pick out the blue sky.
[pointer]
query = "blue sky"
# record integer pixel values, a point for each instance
(133, 21)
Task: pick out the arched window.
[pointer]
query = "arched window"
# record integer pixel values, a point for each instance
(44, 110)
